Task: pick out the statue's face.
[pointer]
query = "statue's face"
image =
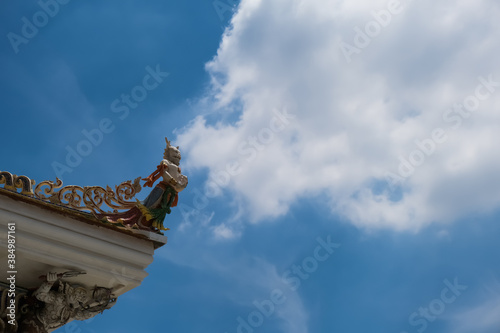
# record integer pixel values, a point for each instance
(174, 155)
(78, 296)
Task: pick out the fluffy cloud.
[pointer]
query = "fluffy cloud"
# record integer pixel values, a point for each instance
(482, 315)
(360, 102)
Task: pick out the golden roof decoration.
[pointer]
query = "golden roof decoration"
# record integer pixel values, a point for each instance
(93, 199)
(105, 203)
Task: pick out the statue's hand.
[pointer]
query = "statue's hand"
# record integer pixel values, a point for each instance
(183, 181)
(51, 277)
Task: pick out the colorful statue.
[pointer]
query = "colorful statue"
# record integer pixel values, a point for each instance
(150, 213)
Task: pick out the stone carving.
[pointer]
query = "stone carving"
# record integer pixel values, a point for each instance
(55, 303)
(150, 213)
(12, 307)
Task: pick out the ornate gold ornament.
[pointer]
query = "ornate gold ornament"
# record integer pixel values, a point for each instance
(89, 198)
(13, 182)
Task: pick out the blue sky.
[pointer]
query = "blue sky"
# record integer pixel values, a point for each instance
(342, 156)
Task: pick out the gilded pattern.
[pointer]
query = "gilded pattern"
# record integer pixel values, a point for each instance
(95, 199)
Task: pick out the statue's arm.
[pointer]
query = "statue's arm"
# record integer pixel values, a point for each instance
(43, 293)
(84, 314)
(170, 175)
(180, 183)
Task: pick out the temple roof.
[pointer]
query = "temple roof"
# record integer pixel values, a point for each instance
(81, 203)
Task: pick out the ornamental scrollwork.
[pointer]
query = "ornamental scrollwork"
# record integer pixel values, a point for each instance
(93, 199)
(90, 198)
(12, 307)
(13, 182)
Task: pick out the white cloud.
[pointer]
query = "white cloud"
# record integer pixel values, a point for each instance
(353, 120)
(222, 231)
(482, 316)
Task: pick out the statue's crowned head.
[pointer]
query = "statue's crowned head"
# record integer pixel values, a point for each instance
(172, 153)
(76, 295)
